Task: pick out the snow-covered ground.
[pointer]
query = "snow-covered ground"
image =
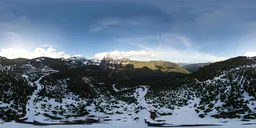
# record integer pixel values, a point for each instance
(30, 107)
(183, 116)
(116, 125)
(187, 115)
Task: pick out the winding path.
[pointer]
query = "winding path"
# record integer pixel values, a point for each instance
(30, 108)
(143, 114)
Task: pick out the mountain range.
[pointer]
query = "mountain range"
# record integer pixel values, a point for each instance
(47, 91)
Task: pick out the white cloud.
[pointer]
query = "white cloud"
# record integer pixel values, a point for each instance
(12, 53)
(250, 54)
(142, 21)
(125, 54)
(105, 23)
(188, 56)
(172, 47)
(183, 40)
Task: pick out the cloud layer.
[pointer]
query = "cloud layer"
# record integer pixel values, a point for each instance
(173, 47)
(125, 54)
(12, 53)
(250, 54)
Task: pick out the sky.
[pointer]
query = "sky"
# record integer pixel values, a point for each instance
(171, 30)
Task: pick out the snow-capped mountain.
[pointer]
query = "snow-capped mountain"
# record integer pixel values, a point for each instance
(46, 91)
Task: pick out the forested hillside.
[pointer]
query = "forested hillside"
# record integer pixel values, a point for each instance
(76, 90)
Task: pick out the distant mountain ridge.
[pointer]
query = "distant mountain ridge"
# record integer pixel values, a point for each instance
(195, 67)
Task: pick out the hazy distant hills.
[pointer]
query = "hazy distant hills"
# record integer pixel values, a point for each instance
(46, 90)
(194, 67)
(182, 64)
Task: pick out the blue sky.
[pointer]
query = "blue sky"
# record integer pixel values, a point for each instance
(173, 30)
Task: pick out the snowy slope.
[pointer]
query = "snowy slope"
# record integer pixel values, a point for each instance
(30, 105)
(63, 91)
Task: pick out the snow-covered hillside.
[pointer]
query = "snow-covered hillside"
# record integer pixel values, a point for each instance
(49, 91)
